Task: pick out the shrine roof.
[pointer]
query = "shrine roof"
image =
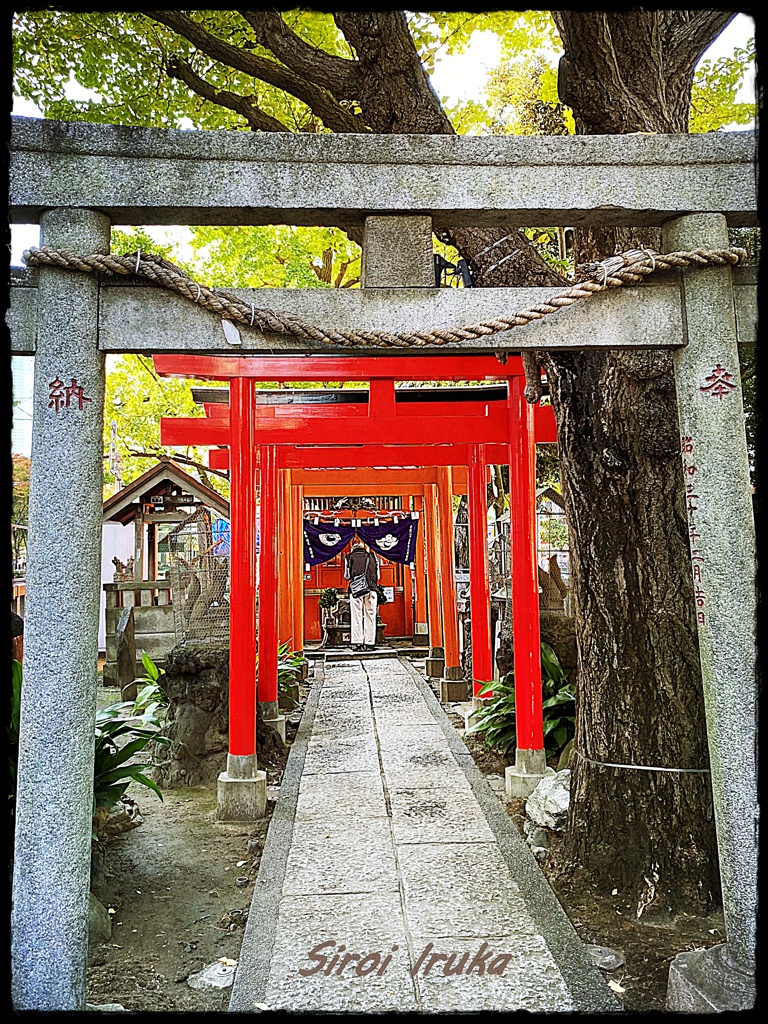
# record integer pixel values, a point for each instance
(166, 478)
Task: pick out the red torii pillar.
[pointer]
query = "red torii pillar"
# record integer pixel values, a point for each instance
(530, 756)
(297, 575)
(405, 502)
(431, 548)
(453, 670)
(242, 789)
(420, 625)
(268, 638)
(284, 547)
(479, 586)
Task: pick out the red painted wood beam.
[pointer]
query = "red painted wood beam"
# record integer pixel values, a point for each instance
(544, 417)
(369, 456)
(525, 575)
(479, 584)
(242, 621)
(413, 366)
(407, 430)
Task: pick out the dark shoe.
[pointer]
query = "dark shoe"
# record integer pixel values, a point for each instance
(358, 647)
(369, 647)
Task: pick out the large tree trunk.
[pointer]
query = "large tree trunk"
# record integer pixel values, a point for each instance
(649, 834)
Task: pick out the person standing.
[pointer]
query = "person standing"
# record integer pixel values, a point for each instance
(361, 568)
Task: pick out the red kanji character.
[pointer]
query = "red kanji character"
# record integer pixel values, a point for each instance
(686, 445)
(56, 397)
(688, 469)
(720, 382)
(701, 618)
(696, 555)
(700, 597)
(692, 533)
(75, 391)
(697, 573)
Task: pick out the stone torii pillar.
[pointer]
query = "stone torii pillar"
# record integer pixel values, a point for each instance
(52, 857)
(722, 539)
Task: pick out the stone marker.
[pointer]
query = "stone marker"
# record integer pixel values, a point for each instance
(125, 643)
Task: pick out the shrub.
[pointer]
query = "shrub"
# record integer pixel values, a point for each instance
(496, 720)
(329, 598)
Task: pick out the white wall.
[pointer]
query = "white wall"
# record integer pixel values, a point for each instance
(116, 542)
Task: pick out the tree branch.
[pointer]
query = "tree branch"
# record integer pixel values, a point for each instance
(687, 38)
(243, 105)
(395, 94)
(177, 457)
(336, 74)
(319, 100)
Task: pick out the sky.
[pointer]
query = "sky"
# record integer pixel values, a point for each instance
(455, 78)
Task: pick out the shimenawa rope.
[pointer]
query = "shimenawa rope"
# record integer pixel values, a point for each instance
(623, 269)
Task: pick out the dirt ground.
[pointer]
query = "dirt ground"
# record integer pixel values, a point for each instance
(176, 886)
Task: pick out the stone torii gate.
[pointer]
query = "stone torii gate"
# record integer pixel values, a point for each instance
(79, 179)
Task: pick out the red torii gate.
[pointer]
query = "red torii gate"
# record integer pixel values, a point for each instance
(266, 436)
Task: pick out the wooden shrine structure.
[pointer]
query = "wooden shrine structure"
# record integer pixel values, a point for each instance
(77, 180)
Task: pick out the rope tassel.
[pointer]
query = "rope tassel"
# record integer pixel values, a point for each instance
(622, 269)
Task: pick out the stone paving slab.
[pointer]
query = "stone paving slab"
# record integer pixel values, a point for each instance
(341, 795)
(386, 835)
(357, 754)
(341, 856)
(437, 815)
(505, 984)
(372, 925)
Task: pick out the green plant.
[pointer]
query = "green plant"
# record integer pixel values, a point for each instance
(496, 720)
(151, 697)
(558, 702)
(329, 598)
(289, 665)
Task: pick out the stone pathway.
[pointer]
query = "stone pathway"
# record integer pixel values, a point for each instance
(392, 877)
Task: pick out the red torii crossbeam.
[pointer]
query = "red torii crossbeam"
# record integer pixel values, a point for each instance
(271, 429)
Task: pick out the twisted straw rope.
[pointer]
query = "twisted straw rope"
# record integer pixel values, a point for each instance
(623, 269)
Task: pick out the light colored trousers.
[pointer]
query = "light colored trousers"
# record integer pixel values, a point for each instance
(362, 614)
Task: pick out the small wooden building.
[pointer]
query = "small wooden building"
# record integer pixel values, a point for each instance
(156, 502)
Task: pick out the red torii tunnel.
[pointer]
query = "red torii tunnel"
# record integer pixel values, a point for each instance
(382, 427)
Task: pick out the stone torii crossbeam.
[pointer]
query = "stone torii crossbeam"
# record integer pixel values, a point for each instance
(79, 179)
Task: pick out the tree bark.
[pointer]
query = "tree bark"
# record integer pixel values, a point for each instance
(649, 834)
